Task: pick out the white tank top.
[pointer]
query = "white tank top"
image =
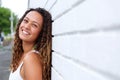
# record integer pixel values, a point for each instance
(16, 75)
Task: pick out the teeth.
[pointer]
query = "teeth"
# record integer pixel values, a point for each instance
(25, 32)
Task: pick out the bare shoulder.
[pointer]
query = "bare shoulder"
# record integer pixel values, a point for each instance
(32, 66)
(32, 58)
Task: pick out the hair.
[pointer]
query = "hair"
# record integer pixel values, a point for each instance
(43, 43)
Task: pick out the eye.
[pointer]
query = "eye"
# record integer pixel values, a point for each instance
(25, 20)
(35, 25)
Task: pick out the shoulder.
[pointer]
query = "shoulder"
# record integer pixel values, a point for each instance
(31, 57)
(32, 66)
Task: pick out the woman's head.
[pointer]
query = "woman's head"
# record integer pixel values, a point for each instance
(30, 27)
(40, 22)
(44, 23)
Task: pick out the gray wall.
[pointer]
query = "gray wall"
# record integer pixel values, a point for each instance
(86, 40)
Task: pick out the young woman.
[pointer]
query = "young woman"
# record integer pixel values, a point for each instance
(31, 59)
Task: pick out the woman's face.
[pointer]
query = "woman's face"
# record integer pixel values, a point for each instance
(31, 26)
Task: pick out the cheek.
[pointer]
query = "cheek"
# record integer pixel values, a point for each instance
(36, 34)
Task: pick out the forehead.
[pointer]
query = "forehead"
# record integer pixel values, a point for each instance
(34, 16)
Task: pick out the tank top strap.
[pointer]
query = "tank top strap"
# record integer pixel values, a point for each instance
(31, 52)
(35, 51)
(20, 64)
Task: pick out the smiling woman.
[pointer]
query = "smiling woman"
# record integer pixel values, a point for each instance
(31, 26)
(32, 46)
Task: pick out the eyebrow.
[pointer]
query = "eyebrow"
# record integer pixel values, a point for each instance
(32, 21)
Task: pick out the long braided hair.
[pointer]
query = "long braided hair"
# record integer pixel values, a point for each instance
(43, 43)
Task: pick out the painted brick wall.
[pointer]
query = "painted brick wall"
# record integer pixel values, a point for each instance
(86, 40)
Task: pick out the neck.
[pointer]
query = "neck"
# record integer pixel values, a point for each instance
(27, 46)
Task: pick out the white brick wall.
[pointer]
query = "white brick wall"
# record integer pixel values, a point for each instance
(86, 40)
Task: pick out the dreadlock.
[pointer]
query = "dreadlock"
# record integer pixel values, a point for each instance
(43, 43)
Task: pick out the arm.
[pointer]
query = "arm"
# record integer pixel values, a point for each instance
(32, 67)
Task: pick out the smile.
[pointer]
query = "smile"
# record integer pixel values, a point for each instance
(25, 32)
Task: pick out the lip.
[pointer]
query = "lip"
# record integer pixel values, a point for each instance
(25, 32)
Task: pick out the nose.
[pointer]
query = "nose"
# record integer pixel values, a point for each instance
(27, 25)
